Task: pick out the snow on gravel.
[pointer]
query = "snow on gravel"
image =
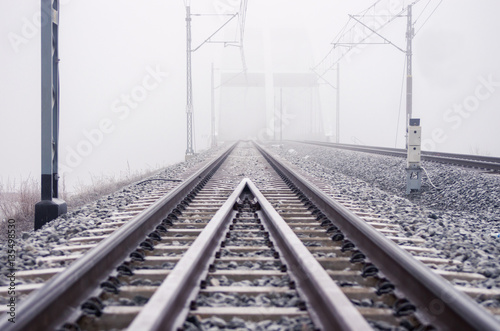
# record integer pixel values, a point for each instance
(459, 218)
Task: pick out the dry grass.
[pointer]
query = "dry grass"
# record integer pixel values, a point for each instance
(101, 186)
(18, 201)
(475, 150)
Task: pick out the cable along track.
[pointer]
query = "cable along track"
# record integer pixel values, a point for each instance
(187, 262)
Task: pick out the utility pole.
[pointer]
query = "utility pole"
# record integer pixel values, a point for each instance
(409, 68)
(50, 207)
(275, 117)
(189, 104)
(281, 114)
(413, 128)
(311, 113)
(189, 101)
(337, 136)
(214, 142)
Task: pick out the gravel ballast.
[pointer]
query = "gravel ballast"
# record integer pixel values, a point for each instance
(34, 244)
(459, 218)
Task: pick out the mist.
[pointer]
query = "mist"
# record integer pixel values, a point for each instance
(123, 80)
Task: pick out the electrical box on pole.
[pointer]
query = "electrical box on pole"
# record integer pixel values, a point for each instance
(344, 43)
(50, 207)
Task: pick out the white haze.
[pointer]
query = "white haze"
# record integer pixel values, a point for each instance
(109, 48)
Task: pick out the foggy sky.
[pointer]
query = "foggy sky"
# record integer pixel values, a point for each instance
(112, 49)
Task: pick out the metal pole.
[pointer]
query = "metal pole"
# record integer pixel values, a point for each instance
(189, 97)
(50, 207)
(337, 138)
(214, 142)
(275, 118)
(311, 121)
(409, 76)
(55, 109)
(281, 114)
(413, 128)
(47, 44)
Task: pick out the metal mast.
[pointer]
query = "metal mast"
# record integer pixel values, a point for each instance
(413, 128)
(50, 207)
(337, 138)
(189, 101)
(275, 118)
(281, 114)
(409, 76)
(214, 142)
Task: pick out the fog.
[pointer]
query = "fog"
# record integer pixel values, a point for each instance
(123, 80)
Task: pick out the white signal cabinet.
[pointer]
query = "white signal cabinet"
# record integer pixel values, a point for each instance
(414, 136)
(414, 170)
(414, 154)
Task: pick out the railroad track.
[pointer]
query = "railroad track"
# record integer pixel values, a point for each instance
(464, 160)
(277, 248)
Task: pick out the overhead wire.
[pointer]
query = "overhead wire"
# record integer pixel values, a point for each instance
(241, 25)
(432, 13)
(368, 35)
(342, 31)
(422, 12)
(362, 14)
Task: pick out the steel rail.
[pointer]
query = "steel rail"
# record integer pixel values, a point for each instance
(438, 302)
(464, 160)
(168, 308)
(390, 149)
(48, 307)
(327, 305)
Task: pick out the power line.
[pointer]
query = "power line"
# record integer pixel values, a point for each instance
(351, 45)
(422, 12)
(342, 31)
(439, 4)
(349, 29)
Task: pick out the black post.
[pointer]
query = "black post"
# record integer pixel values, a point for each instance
(50, 207)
